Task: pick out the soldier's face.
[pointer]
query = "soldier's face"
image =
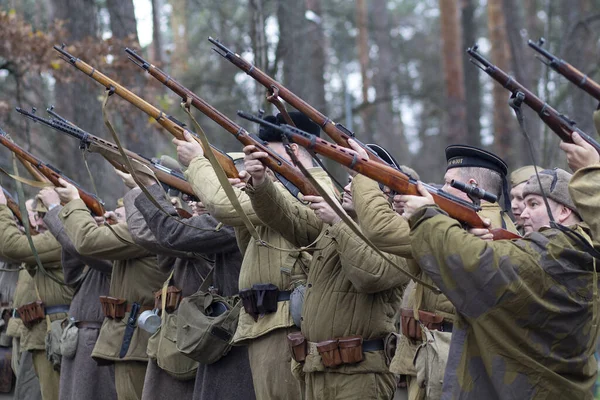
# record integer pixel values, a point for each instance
(535, 214)
(454, 174)
(347, 203)
(517, 203)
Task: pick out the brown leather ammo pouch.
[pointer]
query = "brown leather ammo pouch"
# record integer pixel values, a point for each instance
(32, 313)
(297, 344)
(411, 327)
(351, 349)
(330, 353)
(113, 307)
(173, 299)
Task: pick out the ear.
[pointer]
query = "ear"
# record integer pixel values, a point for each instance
(295, 148)
(564, 213)
(473, 182)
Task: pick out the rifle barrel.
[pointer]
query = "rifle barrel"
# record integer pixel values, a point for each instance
(169, 123)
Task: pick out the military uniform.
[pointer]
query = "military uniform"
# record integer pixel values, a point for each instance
(135, 278)
(526, 326)
(350, 291)
(266, 338)
(81, 377)
(230, 376)
(56, 297)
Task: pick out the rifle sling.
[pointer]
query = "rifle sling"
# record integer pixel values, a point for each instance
(26, 181)
(335, 205)
(132, 170)
(224, 181)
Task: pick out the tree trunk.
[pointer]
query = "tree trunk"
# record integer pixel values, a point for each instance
(455, 122)
(316, 54)
(500, 55)
(388, 130)
(362, 44)
(259, 46)
(180, 40)
(471, 75)
(122, 19)
(157, 52)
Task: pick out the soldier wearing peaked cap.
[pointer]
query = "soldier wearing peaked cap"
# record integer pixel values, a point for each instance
(527, 320)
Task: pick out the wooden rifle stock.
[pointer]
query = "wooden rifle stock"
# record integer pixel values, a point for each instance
(13, 206)
(559, 123)
(567, 70)
(337, 132)
(111, 152)
(90, 200)
(457, 208)
(169, 123)
(274, 161)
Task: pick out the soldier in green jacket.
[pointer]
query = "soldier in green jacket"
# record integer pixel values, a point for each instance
(135, 277)
(281, 264)
(55, 297)
(527, 322)
(351, 291)
(518, 179)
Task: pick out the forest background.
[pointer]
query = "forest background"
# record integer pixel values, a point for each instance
(393, 71)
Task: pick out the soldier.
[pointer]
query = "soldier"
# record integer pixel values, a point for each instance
(527, 309)
(518, 179)
(351, 297)
(199, 245)
(135, 277)
(280, 264)
(390, 232)
(48, 286)
(81, 377)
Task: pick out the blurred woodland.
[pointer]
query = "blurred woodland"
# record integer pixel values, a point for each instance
(393, 71)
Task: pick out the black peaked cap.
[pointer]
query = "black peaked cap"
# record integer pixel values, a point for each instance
(460, 155)
(384, 155)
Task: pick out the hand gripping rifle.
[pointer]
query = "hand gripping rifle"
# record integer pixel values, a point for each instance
(91, 201)
(110, 151)
(567, 70)
(337, 132)
(559, 123)
(285, 172)
(396, 180)
(169, 123)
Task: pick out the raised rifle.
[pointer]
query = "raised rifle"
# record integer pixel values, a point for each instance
(174, 127)
(14, 207)
(567, 70)
(559, 123)
(396, 180)
(337, 132)
(284, 171)
(110, 151)
(91, 201)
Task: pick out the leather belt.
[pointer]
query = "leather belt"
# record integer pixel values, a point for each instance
(367, 346)
(88, 324)
(446, 326)
(63, 308)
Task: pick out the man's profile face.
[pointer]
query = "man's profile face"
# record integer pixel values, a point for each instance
(517, 203)
(449, 176)
(535, 214)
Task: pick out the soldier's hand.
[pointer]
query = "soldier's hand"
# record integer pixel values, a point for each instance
(118, 215)
(410, 204)
(237, 183)
(187, 149)
(356, 148)
(322, 210)
(48, 197)
(483, 233)
(3, 200)
(66, 192)
(254, 167)
(126, 178)
(580, 153)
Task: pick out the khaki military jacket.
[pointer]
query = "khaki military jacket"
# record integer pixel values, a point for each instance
(526, 327)
(261, 264)
(350, 289)
(135, 275)
(15, 246)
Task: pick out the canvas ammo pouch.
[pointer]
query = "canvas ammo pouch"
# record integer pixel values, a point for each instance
(411, 328)
(113, 307)
(69, 338)
(162, 345)
(430, 362)
(262, 299)
(31, 313)
(206, 324)
(52, 342)
(296, 303)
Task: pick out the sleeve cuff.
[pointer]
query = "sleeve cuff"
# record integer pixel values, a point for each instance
(72, 206)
